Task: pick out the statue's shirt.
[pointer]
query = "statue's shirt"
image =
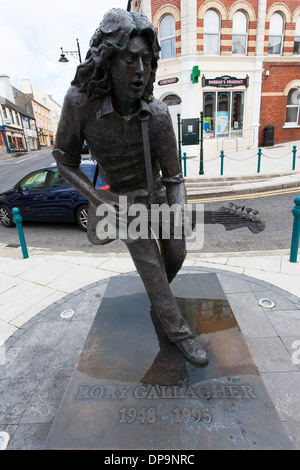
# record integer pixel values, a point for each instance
(115, 141)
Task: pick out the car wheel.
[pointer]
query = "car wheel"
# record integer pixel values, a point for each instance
(6, 217)
(81, 216)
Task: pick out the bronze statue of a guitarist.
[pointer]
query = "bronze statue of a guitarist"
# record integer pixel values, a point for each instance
(110, 104)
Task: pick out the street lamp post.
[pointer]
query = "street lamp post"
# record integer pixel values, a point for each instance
(75, 54)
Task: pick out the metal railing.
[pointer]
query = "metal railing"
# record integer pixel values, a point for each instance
(236, 140)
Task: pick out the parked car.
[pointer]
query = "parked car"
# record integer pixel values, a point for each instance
(44, 195)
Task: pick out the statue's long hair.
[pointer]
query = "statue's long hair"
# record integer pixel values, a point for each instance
(113, 35)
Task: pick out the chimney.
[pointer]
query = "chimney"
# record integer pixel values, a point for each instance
(5, 88)
(26, 87)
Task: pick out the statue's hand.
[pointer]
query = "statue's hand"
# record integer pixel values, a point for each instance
(115, 206)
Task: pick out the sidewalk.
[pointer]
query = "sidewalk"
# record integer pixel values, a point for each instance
(240, 171)
(28, 286)
(9, 158)
(244, 163)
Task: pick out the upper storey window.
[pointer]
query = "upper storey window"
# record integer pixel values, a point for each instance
(239, 33)
(212, 32)
(276, 34)
(167, 37)
(297, 37)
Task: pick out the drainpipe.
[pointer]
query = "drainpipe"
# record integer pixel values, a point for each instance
(258, 67)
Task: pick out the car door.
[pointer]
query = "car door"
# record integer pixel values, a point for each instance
(29, 195)
(61, 199)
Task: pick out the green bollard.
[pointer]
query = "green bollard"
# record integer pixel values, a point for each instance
(222, 161)
(294, 156)
(17, 218)
(296, 231)
(184, 164)
(259, 160)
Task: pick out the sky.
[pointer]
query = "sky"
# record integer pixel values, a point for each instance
(32, 33)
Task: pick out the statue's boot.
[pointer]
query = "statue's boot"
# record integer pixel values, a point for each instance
(193, 350)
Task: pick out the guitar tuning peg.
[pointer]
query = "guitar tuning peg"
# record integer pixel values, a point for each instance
(230, 204)
(248, 209)
(243, 208)
(255, 211)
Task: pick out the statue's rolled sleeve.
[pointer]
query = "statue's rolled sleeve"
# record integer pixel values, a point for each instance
(65, 158)
(69, 137)
(166, 148)
(176, 179)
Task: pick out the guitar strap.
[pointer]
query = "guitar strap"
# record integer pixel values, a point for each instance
(147, 156)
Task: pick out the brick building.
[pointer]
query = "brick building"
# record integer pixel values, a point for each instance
(238, 61)
(280, 97)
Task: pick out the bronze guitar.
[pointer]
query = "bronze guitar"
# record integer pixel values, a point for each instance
(232, 217)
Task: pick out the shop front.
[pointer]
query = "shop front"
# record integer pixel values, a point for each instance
(224, 107)
(15, 140)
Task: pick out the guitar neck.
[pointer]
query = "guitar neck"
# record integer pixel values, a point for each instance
(208, 217)
(215, 217)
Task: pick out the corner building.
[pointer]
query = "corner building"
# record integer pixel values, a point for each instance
(237, 61)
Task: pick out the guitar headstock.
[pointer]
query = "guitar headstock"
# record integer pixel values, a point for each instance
(234, 216)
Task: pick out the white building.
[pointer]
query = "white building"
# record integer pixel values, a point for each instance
(211, 61)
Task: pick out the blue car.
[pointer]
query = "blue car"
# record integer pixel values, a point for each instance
(44, 195)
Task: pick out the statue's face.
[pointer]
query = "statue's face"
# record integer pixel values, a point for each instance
(131, 69)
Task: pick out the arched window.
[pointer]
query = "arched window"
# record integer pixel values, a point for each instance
(297, 37)
(292, 107)
(167, 37)
(239, 33)
(172, 100)
(211, 32)
(223, 109)
(276, 34)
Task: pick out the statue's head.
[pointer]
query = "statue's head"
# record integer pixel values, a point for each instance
(112, 37)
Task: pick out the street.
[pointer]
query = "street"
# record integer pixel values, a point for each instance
(275, 210)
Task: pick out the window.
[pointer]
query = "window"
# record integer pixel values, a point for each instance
(239, 33)
(11, 115)
(276, 34)
(172, 100)
(167, 37)
(292, 107)
(17, 118)
(223, 106)
(4, 112)
(297, 37)
(211, 32)
(57, 181)
(223, 114)
(25, 122)
(209, 115)
(33, 181)
(237, 113)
